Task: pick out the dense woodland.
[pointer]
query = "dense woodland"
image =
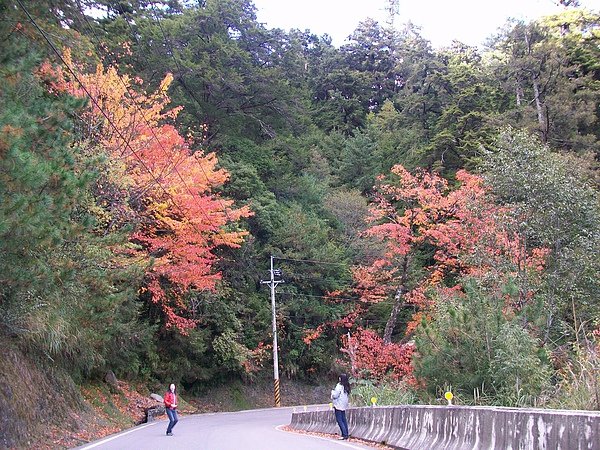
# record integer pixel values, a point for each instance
(434, 212)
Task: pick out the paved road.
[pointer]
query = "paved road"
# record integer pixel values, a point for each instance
(246, 430)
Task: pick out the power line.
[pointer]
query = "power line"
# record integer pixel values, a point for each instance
(141, 161)
(313, 261)
(333, 299)
(174, 169)
(168, 42)
(162, 147)
(155, 19)
(156, 180)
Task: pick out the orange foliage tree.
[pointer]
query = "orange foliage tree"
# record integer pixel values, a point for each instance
(371, 358)
(457, 232)
(462, 230)
(179, 218)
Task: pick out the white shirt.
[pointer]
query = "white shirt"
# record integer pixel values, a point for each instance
(339, 397)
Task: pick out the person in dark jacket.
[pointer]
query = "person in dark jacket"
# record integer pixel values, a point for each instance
(171, 408)
(340, 396)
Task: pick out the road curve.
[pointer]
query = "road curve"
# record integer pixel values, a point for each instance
(247, 430)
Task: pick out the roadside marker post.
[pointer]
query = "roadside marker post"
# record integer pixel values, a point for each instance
(449, 396)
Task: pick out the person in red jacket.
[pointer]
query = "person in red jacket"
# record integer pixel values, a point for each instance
(171, 408)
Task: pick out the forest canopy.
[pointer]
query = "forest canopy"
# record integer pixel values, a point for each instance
(434, 212)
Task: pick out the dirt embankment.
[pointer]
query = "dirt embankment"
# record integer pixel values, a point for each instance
(236, 396)
(33, 400)
(43, 409)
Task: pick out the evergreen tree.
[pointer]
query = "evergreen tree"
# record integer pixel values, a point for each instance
(556, 207)
(549, 81)
(66, 290)
(471, 347)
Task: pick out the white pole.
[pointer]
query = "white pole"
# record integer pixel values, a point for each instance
(275, 355)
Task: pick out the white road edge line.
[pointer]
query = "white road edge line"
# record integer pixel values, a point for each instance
(345, 444)
(104, 441)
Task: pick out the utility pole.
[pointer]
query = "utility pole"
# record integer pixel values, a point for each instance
(272, 282)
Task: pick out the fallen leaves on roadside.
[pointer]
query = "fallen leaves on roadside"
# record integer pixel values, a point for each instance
(289, 429)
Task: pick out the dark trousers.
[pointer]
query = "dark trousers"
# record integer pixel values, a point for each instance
(340, 417)
(173, 419)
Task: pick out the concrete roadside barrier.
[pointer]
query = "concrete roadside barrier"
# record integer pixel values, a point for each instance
(463, 427)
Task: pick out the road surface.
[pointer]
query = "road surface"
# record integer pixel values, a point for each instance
(245, 430)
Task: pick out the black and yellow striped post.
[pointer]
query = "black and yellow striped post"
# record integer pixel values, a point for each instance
(277, 393)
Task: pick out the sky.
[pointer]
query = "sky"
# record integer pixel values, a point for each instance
(441, 21)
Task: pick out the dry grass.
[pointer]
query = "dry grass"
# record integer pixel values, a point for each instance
(43, 409)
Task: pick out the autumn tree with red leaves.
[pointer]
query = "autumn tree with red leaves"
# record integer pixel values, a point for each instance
(460, 228)
(180, 219)
(433, 236)
(370, 357)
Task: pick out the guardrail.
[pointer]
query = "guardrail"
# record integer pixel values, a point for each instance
(461, 427)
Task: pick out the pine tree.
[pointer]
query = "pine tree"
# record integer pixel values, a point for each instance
(38, 185)
(66, 290)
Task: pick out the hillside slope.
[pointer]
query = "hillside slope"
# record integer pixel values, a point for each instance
(43, 408)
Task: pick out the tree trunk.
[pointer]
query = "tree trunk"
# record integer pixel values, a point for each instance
(538, 98)
(540, 109)
(398, 301)
(519, 92)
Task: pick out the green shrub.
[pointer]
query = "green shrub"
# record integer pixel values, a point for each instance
(386, 393)
(487, 356)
